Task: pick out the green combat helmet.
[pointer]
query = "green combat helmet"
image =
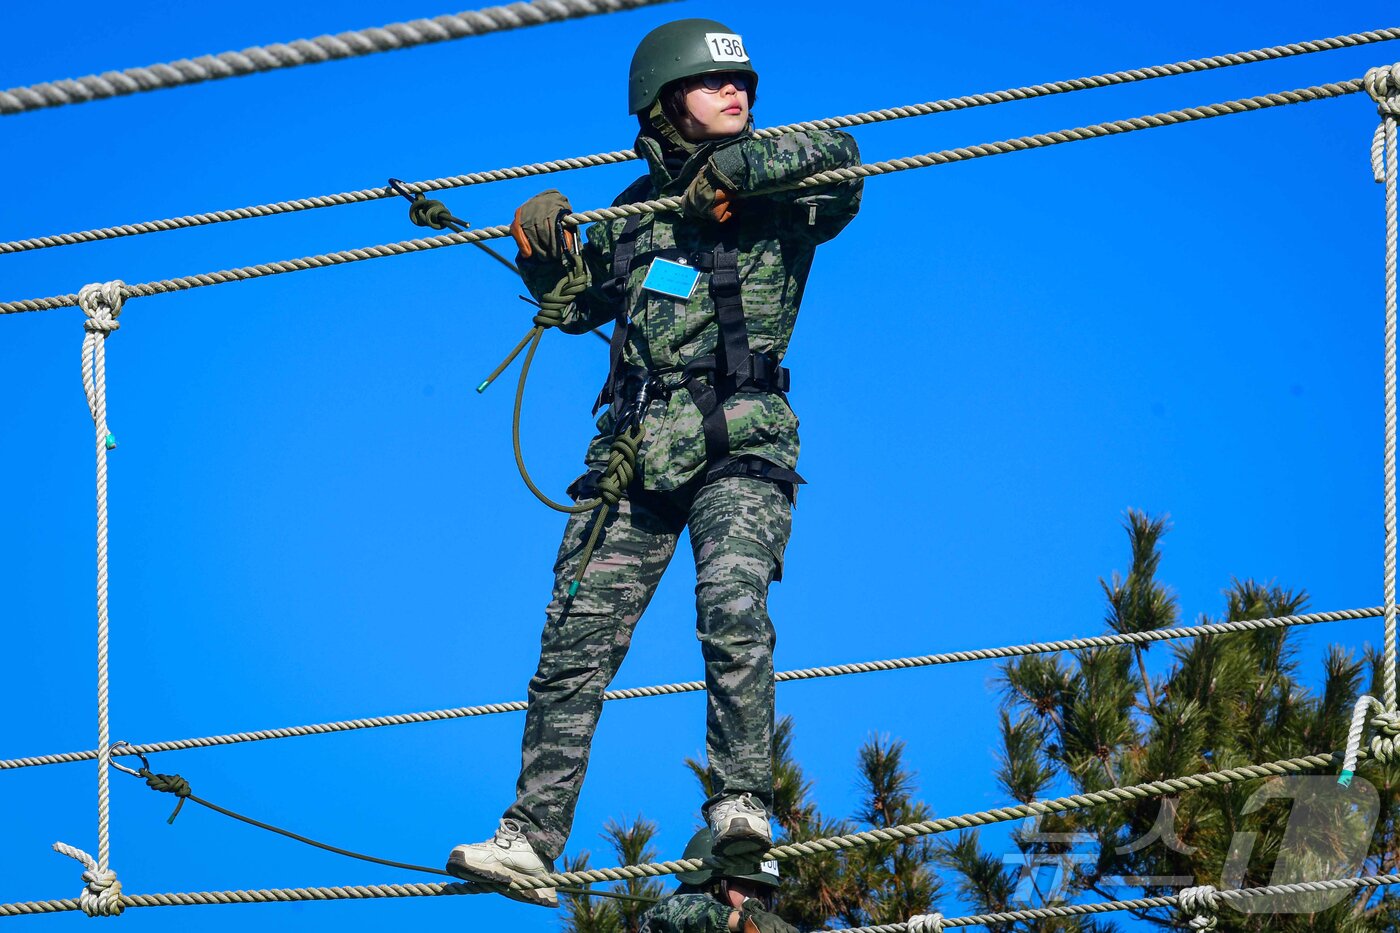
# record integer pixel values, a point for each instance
(702, 845)
(684, 49)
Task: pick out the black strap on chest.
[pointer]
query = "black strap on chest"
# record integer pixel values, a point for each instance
(711, 379)
(616, 289)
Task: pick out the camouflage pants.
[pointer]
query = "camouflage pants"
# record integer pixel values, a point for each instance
(739, 526)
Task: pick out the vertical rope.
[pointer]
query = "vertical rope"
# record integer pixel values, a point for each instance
(101, 303)
(1383, 84)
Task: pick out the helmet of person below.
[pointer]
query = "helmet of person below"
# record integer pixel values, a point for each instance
(684, 49)
(702, 845)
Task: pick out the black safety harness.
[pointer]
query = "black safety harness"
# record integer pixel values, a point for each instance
(710, 380)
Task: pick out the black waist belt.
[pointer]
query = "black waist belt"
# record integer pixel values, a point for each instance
(708, 386)
(709, 380)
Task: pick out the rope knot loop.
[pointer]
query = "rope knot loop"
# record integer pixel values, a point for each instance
(622, 465)
(168, 784)
(1385, 745)
(1201, 901)
(102, 303)
(427, 212)
(925, 923)
(103, 895)
(1383, 84)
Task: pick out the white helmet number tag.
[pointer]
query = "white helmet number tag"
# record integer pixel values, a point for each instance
(726, 47)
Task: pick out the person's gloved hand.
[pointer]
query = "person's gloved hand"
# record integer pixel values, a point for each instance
(426, 212)
(555, 286)
(536, 227)
(706, 199)
(754, 919)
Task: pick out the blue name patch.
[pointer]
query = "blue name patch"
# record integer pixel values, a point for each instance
(673, 279)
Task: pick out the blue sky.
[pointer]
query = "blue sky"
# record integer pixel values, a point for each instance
(314, 517)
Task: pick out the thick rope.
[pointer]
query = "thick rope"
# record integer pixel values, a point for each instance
(626, 155)
(103, 895)
(386, 38)
(1137, 904)
(1199, 906)
(1383, 85)
(943, 157)
(791, 850)
(289, 895)
(102, 303)
(694, 686)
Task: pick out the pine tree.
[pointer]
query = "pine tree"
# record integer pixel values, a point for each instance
(631, 844)
(1096, 718)
(1088, 720)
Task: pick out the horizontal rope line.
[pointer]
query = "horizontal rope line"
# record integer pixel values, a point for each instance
(810, 673)
(388, 38)
(1141, 903)
(787, 851)
(945, 824)
(944, 157)
(626, 155)
(287, 895)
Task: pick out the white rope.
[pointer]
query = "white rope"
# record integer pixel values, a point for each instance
(1200, 904)
(695, 686)
(1383, 85)
(947, 105)
(305, 52)
(927, 160)
(103, 895)
(101, 303)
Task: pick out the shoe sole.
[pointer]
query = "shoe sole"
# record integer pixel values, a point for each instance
(742, 839)
(540, 897)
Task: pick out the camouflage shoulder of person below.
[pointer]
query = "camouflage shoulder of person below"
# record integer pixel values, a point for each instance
(686, 913)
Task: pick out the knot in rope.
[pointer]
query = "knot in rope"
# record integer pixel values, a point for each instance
(925, 923)
(549, 315)
(103, 895)
(168, 784)
(1383, 84)
(1385, 745)
(622, 465)
(102, 303)
(427, 212)
(1201, 901)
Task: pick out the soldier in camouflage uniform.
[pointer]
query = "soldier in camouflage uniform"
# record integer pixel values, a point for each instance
(736, 896)
(703, 303)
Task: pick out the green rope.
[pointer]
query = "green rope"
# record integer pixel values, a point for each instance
(177, 785)
(622, 457)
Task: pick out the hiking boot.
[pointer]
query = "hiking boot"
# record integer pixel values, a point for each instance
(504, 858)
(739, 825)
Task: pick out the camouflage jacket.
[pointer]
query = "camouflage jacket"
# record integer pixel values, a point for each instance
(686, 913)
(777, 236)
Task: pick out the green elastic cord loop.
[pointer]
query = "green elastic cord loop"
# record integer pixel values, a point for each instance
(111, 442)
(1344, 778)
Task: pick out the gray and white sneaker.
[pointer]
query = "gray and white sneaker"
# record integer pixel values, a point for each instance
(739, 825)
(506, 857)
